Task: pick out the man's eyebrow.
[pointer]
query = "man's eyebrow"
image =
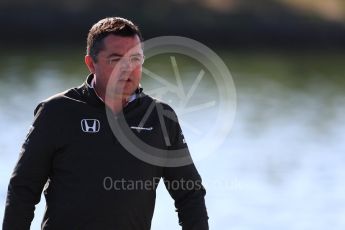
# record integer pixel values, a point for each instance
(120, 55)
(114, 55)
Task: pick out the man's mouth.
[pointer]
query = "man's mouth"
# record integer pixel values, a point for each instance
(124, 80)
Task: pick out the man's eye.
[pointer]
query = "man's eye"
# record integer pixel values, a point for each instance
(136, 59)
(113, 60)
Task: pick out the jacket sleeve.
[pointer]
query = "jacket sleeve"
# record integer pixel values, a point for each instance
(31, 172)
(185, 186)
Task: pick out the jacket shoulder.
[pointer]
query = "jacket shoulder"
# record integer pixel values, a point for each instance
(61, 100)
(149, 99)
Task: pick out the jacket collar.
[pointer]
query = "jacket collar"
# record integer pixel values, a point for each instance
(91, 97)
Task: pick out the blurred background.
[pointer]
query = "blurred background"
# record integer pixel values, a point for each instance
(282, 165)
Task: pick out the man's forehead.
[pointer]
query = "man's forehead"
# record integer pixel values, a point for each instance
(122, 44)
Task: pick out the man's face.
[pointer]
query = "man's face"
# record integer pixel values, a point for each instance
(118, 68)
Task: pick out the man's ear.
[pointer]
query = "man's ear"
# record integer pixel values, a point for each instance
(89, 63)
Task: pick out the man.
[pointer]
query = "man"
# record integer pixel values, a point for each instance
(91, 179)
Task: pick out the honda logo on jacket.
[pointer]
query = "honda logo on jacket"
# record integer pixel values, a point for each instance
(90, 125)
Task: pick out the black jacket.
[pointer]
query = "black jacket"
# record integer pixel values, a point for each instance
(90, 180)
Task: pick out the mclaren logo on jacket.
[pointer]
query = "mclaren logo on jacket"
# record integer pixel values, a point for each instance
(90, 125)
